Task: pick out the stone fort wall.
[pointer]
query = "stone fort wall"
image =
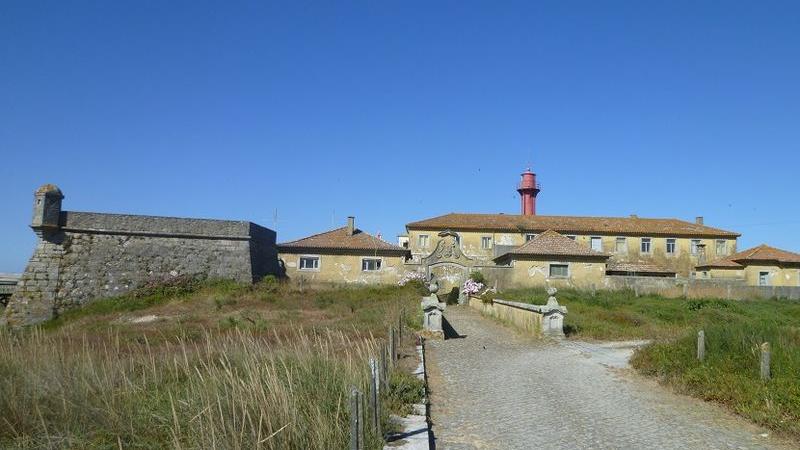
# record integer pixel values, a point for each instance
(85, 256)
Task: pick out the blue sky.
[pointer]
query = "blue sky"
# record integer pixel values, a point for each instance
(398, 111)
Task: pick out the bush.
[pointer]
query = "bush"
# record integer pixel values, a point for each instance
(488, 297)
(477, 277)
(452, 296)
(404, 390)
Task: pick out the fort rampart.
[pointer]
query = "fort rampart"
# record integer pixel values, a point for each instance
(81, 256)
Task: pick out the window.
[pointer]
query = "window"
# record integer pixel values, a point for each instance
(695, 246)
(645, 245)
(670, 246)
(422, 240)
(559, 270)
(486, 242)
(529, 237)
(763, 278)
(621, 245)
(571, 236)
(597, 243)
(309, 263)
(722, 247)
(371, 264)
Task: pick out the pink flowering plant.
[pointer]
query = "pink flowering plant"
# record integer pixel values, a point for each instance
(472, 287)
(412, 276)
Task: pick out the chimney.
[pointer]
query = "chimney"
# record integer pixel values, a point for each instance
(698, 220)
(351, 225)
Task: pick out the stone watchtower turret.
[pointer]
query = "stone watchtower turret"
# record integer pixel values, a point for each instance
(46, 208)
(34, 298)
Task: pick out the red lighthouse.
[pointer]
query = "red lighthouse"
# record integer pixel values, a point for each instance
(528, 189)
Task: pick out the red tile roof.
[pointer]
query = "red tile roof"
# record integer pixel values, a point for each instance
(550, 243)
(723, 263)
(570, 225)
(762, 253)
(339, 239)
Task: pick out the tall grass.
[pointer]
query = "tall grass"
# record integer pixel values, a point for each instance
(229, 366)
(236, 390)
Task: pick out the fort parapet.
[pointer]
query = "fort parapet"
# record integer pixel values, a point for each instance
(81, 256)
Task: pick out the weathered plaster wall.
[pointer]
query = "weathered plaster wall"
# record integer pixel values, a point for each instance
(91, 255)
(344, 268)
(721, 273)
(750, 275)
(530, 273)
(682, 261)
(778, 276)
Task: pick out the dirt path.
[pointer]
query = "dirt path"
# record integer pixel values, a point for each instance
(493, 388)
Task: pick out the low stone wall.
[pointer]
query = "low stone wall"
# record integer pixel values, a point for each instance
(693, 288)
(520, 315)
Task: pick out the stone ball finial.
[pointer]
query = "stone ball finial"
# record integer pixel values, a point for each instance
(551, 291)
(49, 189)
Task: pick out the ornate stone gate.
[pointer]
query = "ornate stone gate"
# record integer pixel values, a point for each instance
(447, 263)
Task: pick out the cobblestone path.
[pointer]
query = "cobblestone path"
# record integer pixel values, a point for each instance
(494, 388)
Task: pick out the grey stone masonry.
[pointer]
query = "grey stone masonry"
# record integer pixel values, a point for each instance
(92, 255)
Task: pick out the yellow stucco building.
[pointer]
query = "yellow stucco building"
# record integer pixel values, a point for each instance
(343, 255)
(551, 259)
(671, 245)
(757, 266)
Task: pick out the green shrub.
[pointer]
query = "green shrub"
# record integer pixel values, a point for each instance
(404, 390)
(477, 277)
(452, 296)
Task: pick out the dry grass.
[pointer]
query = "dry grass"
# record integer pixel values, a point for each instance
(94, 379)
